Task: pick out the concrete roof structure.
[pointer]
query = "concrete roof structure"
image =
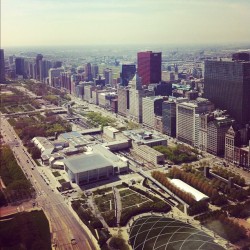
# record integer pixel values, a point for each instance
(198, 196)
(74, 138)
(86, 162)
(45, 146)
(143, 136)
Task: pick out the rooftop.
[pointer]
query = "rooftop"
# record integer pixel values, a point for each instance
(74, 138)
(185, 187)
(143, 136)
(86, 162)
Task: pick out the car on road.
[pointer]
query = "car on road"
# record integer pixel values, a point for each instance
(73, 241)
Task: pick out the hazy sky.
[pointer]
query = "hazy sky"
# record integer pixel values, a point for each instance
(86, 22)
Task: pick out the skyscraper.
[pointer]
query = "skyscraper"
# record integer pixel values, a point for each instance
(39, 58)
(2, 66)
(108, 76)
(20, 66)
(95, 70)
(188, 120)
(88, 72)
(136, 93)
(149, 67)
(227, 85)
(127, 73)
(151, 107)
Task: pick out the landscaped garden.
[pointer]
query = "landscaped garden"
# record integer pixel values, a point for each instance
(178, 154)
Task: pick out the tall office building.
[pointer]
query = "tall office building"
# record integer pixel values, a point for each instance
(149, 67)
(44, 66)
(227, 85)
(2, 66)
(88, 73)
(19, 62)
(151, 107)
(188, 120)
(39, 58)
(95, 70)
(123, 100)
(216, 131)
(54, 77)
(65, 79)
(169, 115)
(127, 73)
(136, 93)
(108, 75)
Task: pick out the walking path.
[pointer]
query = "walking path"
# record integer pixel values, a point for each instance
(96, 212)
(118, 203)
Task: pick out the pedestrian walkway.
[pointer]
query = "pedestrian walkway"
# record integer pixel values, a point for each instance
(96, 212)
(118, 205)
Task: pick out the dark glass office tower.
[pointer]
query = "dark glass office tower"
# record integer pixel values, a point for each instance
(127, 74)
(149, 67)
(2, 66)
(39, 58)
(169, 117)
(19, 62)
(227, 85)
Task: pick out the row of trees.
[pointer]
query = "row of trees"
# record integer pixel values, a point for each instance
(227, 174)
(193, 180)
(178, 154)
(239, 210)
(42, 89)
(96, 118)
(15, 99)
(215, 198)
(28, 128)
(218, 222)
(92, 222)
(17, 186)
(198, 207)
(161, 177)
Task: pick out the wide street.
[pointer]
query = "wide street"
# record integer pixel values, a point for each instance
(64, 225)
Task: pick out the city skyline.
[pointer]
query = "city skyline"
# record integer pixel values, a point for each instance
(51, 23)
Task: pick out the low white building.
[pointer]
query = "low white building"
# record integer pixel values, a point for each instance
(198, 196)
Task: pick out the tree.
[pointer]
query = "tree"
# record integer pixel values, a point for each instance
(118, 243)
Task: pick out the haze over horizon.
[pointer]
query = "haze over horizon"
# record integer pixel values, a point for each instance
(78, 22)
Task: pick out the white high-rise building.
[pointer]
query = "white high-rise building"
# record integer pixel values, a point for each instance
(136, 93)
(151, 106)
(54, 73)
(188, 120)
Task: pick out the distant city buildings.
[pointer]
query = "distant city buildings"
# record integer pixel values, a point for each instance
(2, 66)
(162, 95)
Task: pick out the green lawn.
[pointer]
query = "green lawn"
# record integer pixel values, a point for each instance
(25, 231)
(130, 198)
(103, 202)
